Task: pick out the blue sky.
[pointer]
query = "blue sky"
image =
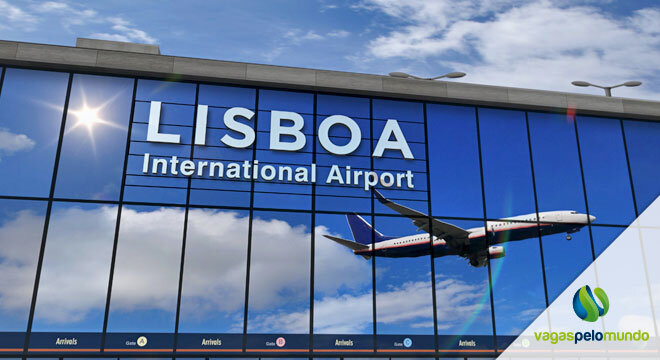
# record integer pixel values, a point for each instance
(525, 43)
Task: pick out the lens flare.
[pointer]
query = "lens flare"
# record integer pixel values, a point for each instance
(87, 117)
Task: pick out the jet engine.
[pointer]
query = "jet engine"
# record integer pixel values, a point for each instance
(496, 252)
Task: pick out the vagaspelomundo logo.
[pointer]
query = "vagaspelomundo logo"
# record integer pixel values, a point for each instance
(585, 305)
(588, 309)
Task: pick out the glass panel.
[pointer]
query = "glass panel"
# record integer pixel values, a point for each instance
(299, 102)
(145, 284)
(648, 236)
(343, 298)
(407, 177)
(213, 294)
(216, 190)
(454, 161)
(507, 171)
(166, 91)
(21, 230)
(74, 276)
(278, 305)
(517, 277)
(226, 96)
(296, 193)
(404, 296)
(400, 110)
(559, 193)
(462, 296)
(163, 182)
(92, 158)
(603, 236)
(642, 139)
(338, 194)
(353, 107)
(31, 106)
(605, 170)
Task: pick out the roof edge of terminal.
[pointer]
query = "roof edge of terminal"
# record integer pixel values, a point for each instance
(117, 58)
(117, 46)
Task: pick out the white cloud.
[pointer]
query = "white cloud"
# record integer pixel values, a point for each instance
(15, 17)
(76, 264)
(407, 304)
(539, 44)
(70, 16)
(338, 34)
(11, 143)
(125, 32)
(73, 13)
(297, 36)
(20, 240)
(646, 20)
(325, 7)
(76, 268)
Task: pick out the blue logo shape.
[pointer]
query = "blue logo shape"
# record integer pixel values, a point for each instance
(407, 342)
(585, 305)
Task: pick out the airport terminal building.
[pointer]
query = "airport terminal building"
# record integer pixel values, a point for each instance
(163, 206)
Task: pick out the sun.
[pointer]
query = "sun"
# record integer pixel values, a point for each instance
(87, 117)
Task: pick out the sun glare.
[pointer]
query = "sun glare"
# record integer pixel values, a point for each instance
(87, 117)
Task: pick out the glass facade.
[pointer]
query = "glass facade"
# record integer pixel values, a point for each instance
(141, 216)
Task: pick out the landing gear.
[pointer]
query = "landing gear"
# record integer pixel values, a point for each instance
(478, 261)
(569, 237)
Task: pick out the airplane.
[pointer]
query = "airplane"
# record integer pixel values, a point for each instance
(472, 244)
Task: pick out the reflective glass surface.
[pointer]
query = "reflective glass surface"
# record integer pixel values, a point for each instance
(279, 287)
(31, 106)
(642, 138)
(404, 295)
(518, 280)
(145, 283)
(342, 284)
(559, 188)
(605, 169)
(21, 230)
(95, 138)
(213, 293)
(269, 251)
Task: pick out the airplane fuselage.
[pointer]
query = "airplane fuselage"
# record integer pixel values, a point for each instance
(501, 231)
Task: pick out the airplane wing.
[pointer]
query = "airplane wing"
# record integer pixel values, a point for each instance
(453, 235)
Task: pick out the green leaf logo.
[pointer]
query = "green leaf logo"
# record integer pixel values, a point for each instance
(585, 305)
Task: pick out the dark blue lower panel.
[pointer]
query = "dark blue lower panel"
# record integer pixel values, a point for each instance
(65, 342)
(503, 341)
(151, 343)
(465, 343)
(209, 343)
(405, 343)
(231, 344)
(343, 343)
(268, 343)
(11, 342)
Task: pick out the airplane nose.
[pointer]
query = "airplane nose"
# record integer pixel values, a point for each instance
(591, 218)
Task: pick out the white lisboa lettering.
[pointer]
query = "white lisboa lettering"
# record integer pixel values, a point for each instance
(283, 125)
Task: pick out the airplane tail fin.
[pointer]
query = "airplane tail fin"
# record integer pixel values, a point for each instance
(362, 231)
